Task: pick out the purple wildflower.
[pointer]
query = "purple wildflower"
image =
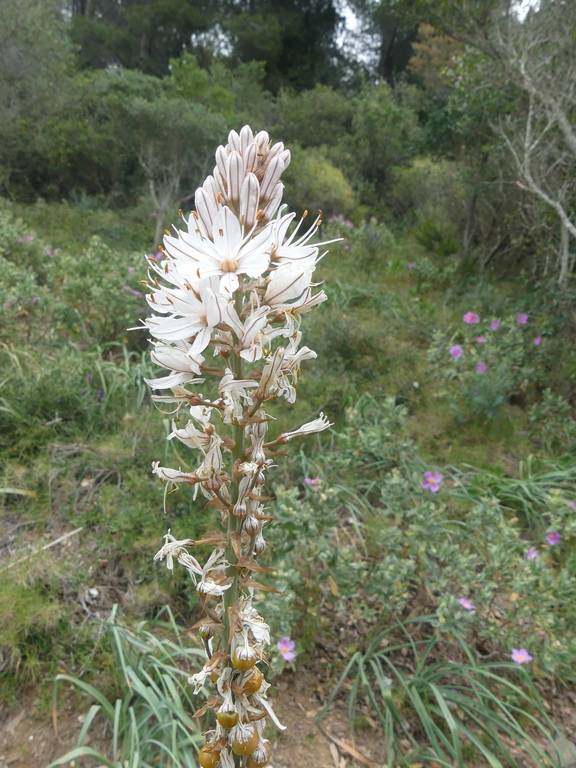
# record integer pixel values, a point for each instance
(456, 351)
(532, 554)
(432, 481)
(521, 656)
(312, 482)
(522, 318)
(553, 538)
(481, 367)
(495, 324)
(537, 341)
(480, 339)
(471, 318)
(467, 604)
(287, 648)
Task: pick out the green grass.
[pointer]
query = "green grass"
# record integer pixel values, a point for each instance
(438, 703)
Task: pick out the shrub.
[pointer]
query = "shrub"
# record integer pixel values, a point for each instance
(314, 183)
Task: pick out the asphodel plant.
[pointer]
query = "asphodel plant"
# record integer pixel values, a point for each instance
(228, 297)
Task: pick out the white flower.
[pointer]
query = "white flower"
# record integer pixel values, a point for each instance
(296, 251)
(230, 251)
(234, 395)
(175, 357)
(191, 312)
(173, 475)
(286, 284)
(251, 621)
(318, 425)
(190, 436)
(215, 563)
(174, 548)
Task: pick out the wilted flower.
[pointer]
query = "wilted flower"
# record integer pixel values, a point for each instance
(467, 604)
(532, 553)
(481, 367)
(495, 324)
(521, 656)
(553, 538)
(522, 318)
(471, 318)
(432, 481)
(312, 482)
(480, 339)
(537, 341)
(456, 351)
(287, 648)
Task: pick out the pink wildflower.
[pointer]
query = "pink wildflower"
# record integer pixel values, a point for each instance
(456, 351)
(480, 339)
(312, 482)
(471, 318)
(521, 656)
(432, 481)
(467, 604)
(522, 318)
(532, 554)
(553, 538)
(481, 367)
(537, 341)
(495, 324)
(287, 648)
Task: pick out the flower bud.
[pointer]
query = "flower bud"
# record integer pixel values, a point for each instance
(259, 544)
(251, 525)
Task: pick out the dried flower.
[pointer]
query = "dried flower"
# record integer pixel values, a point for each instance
(432, 481)
(287, 648)
(471, 318)
(521, 656)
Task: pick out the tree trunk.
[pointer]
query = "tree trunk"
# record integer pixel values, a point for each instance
(564, 255)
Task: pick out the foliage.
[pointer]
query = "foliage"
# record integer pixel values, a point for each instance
(460, 710)
(149, 713)
(314, 182)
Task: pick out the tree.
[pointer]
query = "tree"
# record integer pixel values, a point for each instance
(35, 66)
(142, 34)
(172, 138)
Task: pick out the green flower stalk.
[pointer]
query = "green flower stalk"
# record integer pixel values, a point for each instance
(228, 300)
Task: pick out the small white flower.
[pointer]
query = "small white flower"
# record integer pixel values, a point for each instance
(174, 548)
(311, 427)
(170, 475)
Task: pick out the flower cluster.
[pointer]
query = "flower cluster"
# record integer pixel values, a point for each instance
(227, 299)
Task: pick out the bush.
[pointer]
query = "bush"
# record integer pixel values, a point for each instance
(313, 183)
